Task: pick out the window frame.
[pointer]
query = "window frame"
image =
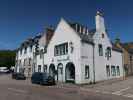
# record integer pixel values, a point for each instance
(113, 70)
(100, 49)
(45, 68)
(87, 71)
(108, 52)
(31, 48)
(118, 70)
(108, 70)
(25, 50)
(39, 66)
(61, 49)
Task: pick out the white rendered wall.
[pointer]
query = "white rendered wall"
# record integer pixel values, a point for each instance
(64, 33)
(101, 61)
(86, 59)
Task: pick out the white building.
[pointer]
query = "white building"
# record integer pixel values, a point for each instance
(25, 57)
(72, 53)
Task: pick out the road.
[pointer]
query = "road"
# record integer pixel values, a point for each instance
(24, 90)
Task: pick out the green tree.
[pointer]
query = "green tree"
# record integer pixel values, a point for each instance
(7, 58)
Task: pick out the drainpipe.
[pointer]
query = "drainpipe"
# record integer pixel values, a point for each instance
(43, 58)
(123, 66)
(93, 64)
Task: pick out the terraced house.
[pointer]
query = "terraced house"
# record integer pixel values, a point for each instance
(73, 53)
(25, 56)
(127, 49)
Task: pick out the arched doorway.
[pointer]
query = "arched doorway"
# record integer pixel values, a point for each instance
(52, 70)
(70, 72)
(60, 72)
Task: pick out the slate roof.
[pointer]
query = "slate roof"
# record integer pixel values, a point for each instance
(88, 38)
(115, 48)
(29, 41)
(84, 37)
(130, 50)
(128, 46)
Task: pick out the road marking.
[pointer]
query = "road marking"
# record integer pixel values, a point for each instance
(97, 91)
(128, 95)
(17, 90)
(119, 92)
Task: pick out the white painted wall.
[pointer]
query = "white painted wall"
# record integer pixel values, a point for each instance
(101, 61)
(64, 33)
(86, 59)
(82, 54)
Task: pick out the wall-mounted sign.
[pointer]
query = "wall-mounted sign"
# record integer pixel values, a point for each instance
(63, 59)
(84, 57)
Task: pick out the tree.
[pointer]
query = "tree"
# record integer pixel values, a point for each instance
(7, 58)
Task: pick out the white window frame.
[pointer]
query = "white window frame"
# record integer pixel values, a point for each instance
(87, 72)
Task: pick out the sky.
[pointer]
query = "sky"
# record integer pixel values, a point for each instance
(21, 19)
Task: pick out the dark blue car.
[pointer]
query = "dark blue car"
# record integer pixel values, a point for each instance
(18, 76)
(42, 78)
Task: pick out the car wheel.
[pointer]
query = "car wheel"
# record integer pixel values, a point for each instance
(41, 83)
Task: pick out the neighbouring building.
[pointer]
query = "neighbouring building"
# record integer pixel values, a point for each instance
(25, 56)
(73, 53)
(127, 56)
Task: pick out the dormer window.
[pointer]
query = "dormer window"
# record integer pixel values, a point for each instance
(25, 50)
(21, 52)
(31, 48)
(100, 49)
(78, 27)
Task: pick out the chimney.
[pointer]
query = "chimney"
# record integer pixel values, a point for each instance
(49, 34)
(100, 26)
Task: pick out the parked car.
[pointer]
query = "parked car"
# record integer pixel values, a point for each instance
(18, 76)
(14, 75)
(4, 70)
(42, 78)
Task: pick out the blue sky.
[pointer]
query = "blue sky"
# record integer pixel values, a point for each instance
(20, 19)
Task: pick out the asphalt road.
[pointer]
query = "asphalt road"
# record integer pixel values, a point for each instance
(24, 90)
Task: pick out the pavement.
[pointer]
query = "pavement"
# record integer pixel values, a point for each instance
(23, 90)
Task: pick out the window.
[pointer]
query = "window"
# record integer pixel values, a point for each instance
(130, 57)
(24, 62)
(25, 50)
(45, 49)
(108, 53)
(21, 52)
(102, 35)
(78, 27)
(87, 72)
(61, 49)
(113, 71)
(34, 68)
(118, 71)
(41, 53)
(108, 70)
(31, 48)
(100, 50)
(45, 68)
(29, 61)
(39, 68)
